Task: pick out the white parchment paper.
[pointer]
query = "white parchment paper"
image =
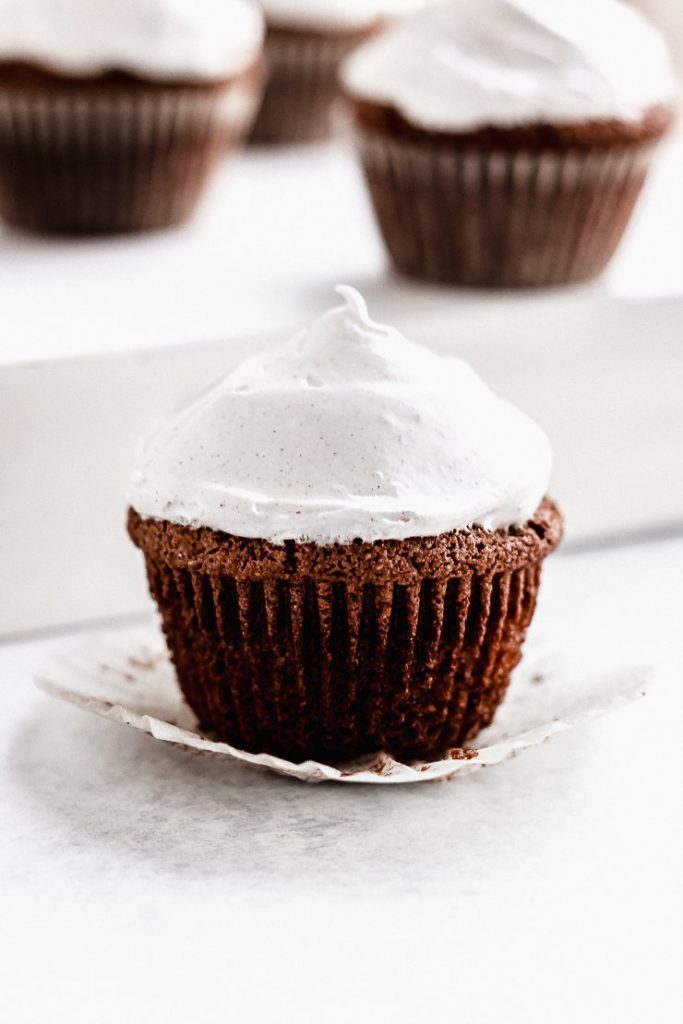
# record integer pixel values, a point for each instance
(127, 677)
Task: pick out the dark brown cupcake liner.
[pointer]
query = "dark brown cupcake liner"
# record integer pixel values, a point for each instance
(115, 157)
(300, 103)
(329, 653)
(508, 218)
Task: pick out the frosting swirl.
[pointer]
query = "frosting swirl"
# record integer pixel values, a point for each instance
(466, 65)
(203, 39)
(347, 431)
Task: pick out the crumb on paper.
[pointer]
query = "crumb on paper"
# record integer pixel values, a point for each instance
(381, 764)
(462, 754)
(129, 677)
(147, 661)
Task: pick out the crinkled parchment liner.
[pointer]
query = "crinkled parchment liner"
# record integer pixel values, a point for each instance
(128, 678)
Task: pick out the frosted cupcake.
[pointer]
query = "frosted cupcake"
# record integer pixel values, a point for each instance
(113, 113)
(306, 41)
(505, 142)
(345, 538)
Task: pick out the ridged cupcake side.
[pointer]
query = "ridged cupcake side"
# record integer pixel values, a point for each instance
(336, 651)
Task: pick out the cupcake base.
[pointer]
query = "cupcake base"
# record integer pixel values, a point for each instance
(333, 652)
(508, 208)
(300, 103)
(113, 154)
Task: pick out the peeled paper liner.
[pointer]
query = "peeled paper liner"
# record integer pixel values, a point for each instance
(128, 678)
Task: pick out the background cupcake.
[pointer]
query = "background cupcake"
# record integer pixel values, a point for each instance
(344, 538)
(114, 112)
(505, 142)
(306, 41)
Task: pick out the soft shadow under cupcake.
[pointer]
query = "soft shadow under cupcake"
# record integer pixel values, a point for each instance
(148, 807)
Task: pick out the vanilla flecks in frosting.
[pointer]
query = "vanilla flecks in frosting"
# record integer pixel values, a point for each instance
(461, 66)
(347, 431)
(195, 39)
(334, 15)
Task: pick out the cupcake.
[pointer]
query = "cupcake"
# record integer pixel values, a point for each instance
(505, 142)
(306, 40)
(113, 113)
(344, 538)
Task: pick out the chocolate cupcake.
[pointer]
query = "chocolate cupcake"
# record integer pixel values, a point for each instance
(306, 41)
(505, 142)
(113, 113)
(344, 538)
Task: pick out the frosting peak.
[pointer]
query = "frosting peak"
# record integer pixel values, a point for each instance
(343, 347)
(201, 39)
(461, 66)
(347, 431)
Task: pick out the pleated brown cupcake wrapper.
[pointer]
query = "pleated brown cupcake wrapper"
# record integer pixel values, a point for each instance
(332, 670)
(517, 218)
(300, 103)
(102, 160)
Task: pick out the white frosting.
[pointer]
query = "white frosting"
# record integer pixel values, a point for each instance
(460, 66)
(335, 14)
(164, 38)
(349, 430)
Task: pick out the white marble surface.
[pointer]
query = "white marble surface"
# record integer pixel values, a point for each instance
(140, 883)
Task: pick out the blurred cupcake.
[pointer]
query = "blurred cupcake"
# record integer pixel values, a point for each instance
(505, 142)
(345, 538)
(306, 40)
(114, 112)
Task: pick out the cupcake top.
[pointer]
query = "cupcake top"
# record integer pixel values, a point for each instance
(347, 431)
(334, 15)
(199, 39)
(504, 63)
